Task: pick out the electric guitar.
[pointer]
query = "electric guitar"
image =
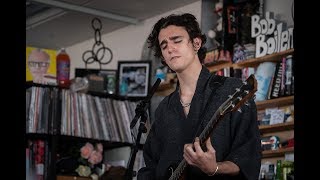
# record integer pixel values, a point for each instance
(234, 101)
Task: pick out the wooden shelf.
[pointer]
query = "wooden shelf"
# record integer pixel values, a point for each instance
(268, 58)
(282, 101)
(277, 153)
(276, 127)
(217, 65)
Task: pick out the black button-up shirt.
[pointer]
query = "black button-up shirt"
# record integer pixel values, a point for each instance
(236, 137)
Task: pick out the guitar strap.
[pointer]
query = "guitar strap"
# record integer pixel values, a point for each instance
(215, 83)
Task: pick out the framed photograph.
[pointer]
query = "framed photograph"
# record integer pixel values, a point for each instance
(41, 65)
(100, 80)
(133, 78)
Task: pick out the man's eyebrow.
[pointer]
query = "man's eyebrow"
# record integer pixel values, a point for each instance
(163, 42)
(174, 37)
(171, 38)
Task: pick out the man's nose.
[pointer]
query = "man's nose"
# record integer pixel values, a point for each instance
(171, 47)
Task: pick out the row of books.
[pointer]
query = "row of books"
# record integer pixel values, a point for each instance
(41, 108)
(81, 115)
(276, 115)
(89, 116)
(37, 161)
(275, 79)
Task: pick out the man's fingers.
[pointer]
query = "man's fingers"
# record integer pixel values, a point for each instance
(197, 145)
(209, 145)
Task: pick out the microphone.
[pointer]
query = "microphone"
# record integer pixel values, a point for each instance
(142, 106)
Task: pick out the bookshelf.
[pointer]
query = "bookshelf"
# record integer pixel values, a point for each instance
(52, 118)
(276, 127)
(215, 66)
(268, 58)
(281, 101)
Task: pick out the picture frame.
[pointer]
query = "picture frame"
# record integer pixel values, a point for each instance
(41, 65)
(100, 80)
(133, 78)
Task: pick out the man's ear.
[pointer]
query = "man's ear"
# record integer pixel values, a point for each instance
(197, 42)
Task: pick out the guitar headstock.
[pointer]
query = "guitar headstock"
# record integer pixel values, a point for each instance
(241, 95)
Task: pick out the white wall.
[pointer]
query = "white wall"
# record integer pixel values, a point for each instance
(126, 43)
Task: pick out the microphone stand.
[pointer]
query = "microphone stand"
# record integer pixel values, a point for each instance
(141, 112)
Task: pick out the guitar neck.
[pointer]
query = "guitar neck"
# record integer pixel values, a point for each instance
(179, 170)
(210, 127)
(203, 136)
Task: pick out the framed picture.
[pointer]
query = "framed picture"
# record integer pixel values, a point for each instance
(100, 80)
(41, 65)
(133, 78)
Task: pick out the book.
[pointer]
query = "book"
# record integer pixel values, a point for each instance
(276, 82)
(264, 75)
(288, 76)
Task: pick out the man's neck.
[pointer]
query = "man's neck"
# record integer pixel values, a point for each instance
(188, 79)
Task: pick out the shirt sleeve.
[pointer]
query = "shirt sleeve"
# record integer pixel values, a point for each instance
(246, 146)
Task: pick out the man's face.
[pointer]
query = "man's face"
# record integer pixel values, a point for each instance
(38, 64)
(176, 47)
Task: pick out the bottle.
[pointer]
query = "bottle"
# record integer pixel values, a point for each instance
(279, 171)
(63, 68)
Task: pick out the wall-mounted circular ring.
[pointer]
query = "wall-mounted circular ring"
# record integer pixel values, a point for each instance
(96, 50)
(97, 54)
(88, 57)
(111, 55)
(97, 36)
(96, 24)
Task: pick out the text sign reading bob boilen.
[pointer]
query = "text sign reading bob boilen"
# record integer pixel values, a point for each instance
(270, 38)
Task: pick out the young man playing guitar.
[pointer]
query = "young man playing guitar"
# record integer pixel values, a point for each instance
(232, 150)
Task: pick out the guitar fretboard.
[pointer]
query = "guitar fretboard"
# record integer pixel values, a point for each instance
(179, 170)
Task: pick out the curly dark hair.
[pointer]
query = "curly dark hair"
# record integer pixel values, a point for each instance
(186, 20)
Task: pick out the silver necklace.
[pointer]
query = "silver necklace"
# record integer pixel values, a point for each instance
(185, 104)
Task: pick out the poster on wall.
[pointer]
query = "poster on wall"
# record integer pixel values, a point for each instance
(41, 65)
